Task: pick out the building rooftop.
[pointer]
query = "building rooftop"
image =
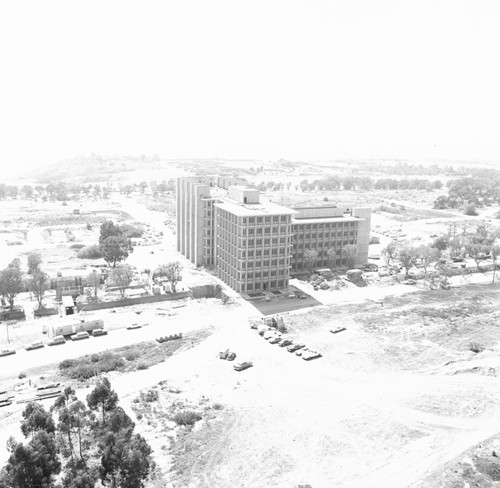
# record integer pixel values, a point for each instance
(253, 209)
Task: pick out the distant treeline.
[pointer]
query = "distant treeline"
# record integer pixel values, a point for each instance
(66, 191)
(335, 183)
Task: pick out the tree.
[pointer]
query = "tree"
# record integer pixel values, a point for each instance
(121, 278)
(389, 252)
(442, 202)
(36, 418)
(441, 243)
(125, 461)
(115, 249)
(172, 272)
(310, 258)
(33, 465)
(332, 256)
(38, 284)
(27, 192)
(108, 229)
(34, 262)
(478, 243)
(427, 255)
(349, 252)
(94, 281)
(407, 255)
(102, 398)
(11, 283)
(495, 252)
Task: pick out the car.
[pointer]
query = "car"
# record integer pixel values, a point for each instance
(243, 365)
(275, 339)
(99, 332)
(56, 340)
(262, 329)
(134, 326)
(285, 342)
(295, 347)
(302, 296)
(267, 334)
(337, 330)
(224, 354)
(79, 336)
(374, 256)
(231, 356)
(409, 282)
(34, 345)
(7, 352)
(310, 354)
(434, 235)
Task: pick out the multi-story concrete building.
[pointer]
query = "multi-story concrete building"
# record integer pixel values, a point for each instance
(256, 245)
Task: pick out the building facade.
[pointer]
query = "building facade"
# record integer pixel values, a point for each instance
(255, 245)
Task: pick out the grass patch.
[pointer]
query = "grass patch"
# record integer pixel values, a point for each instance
(186, 418)
(134, 357)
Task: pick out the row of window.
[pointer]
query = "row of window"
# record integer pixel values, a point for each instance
(297, 227)
(266, 219)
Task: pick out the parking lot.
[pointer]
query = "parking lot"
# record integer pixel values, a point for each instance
(282, 303)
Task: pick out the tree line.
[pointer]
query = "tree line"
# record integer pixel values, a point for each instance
(336, 183)
(78, 444)
(477, 242)
(471, 192)
(62, 191)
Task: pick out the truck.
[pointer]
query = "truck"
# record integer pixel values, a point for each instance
(82, 326)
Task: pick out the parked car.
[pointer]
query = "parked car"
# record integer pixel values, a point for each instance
(275, 339)
(268, 334)
(374, 256)
(223, 354)
(231, 356)
(34, 345)
(7, 352)
(409, 282)
(302, 295)
(243, 365)
(310, 354)
(99, 332)
(56, 340)
(337, 330)
(285, 342)
(79, 336)
(295, 347)
(134, 326)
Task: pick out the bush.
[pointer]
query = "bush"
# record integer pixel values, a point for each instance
(90, 252)
(150, 396)
(475, 347)
(130, 231)
(141, 366)
(77, 247)
(131, 356)
(22, 375)
(186, 418)
(469, 209)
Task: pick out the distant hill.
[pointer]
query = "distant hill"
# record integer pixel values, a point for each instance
(94, 168)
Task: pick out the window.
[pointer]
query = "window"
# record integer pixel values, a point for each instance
(266, 241)
(258, 242)
(251, 220)
(259, 220)
(258, 253)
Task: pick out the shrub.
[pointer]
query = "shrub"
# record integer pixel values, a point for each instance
(22, 375)
(90, 252)
(130, 231)
(131, 356)
(150, 396)
(142, 366)
(469, 209)
(186, 418)
(77, 247)
(217, 406)
(475, 347)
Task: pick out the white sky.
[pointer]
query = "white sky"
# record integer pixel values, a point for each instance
(264, 79)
